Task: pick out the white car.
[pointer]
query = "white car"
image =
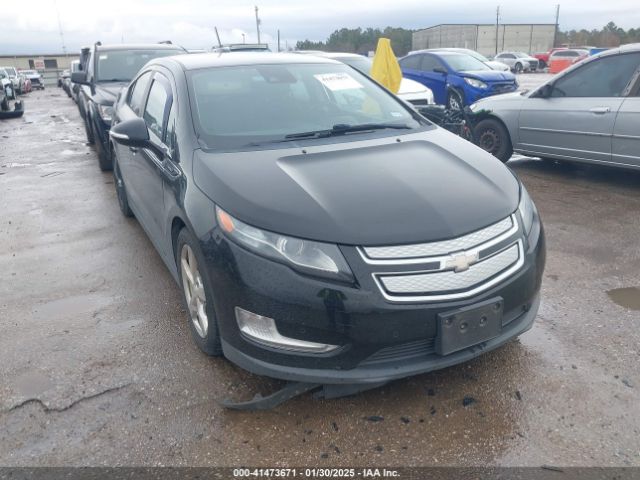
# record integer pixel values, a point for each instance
(16, 78)
(410, 90)
(518, 61)
(492, 64)
(35, 77)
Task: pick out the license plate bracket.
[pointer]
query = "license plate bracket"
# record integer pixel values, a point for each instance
(468, 326)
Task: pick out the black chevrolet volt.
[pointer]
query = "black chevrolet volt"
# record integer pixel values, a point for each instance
(321, 230)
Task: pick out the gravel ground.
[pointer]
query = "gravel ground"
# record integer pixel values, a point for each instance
(97, 366)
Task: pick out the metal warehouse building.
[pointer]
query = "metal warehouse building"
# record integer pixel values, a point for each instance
(530, 37)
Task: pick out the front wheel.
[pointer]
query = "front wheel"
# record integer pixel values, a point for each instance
(196, 290)
(121, 191)
(492, 136)
(454, 101)
(518, 68)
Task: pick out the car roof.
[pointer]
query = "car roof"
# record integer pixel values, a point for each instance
(437, 52)
(319, 53)
(195, 61)
(140, 46)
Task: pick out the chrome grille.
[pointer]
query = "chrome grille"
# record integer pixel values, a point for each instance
(438, 282)
(448, 269)
(417, 252)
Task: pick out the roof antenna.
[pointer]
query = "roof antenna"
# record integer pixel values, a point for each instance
(218, 36)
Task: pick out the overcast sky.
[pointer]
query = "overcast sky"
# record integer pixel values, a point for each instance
(31, 26)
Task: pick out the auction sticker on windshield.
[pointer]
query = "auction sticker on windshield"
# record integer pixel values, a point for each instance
(338, 81)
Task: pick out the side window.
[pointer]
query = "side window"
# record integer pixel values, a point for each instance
(170, 135)
(605, 77)
(412, 62)
(158, 103)
(510, 56)
(135, 97)
(429, 63)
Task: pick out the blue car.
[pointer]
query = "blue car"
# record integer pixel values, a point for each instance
(456, 79)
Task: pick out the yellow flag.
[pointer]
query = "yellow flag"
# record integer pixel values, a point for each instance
(385, 69)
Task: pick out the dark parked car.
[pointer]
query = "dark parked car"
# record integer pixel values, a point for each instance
(321, 231)
(107, 70)
(456, 79)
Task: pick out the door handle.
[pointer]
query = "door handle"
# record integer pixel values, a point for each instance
(600, 110)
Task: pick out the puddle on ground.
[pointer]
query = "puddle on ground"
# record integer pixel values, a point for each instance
(15, 164)
(626, 297)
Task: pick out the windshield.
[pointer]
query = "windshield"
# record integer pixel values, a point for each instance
(243, 106)
(10, 71)
(463, 63)
(478, 56)
(362, 64)
(122, 65)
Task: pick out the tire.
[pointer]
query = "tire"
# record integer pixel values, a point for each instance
(187, 250)
(492, 136)
(455, 100)
(518, 68)
(104, 159)
(88, 131)
(4, 105)
(121, 191)
(542, 64)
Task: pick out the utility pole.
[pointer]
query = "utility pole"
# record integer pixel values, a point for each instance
(278, 39)
(497, 25)
(64, 47)
(257, 24)
(555, 32)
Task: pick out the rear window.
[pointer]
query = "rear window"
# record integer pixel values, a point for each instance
(122, 65)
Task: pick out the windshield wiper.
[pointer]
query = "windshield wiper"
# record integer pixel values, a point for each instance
(342, 128)
(338, 129)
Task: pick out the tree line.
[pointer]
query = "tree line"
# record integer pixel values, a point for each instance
(364, 40)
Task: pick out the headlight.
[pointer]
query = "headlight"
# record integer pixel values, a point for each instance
(106, 112)
(475, 82)
(306, 256)
(526, 209)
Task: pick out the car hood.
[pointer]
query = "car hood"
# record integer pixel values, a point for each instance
(505, 100)
(411, 86)
(499, 66)
(489, 75)
(107, 92)
(430, 186)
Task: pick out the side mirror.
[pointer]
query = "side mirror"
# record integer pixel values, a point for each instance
(79, 77)
(441, 70)
(545, 91)
(132, 133)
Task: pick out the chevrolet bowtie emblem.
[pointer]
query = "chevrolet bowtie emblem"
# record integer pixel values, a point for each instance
(461, 262)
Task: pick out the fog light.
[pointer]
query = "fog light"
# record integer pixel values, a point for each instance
(263, 330)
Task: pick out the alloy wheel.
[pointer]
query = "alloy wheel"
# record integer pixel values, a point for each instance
(194, 290)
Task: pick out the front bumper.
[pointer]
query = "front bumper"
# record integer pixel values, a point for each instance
(380, 340)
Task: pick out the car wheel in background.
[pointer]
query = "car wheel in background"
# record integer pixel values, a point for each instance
(90, 138)
(121, 191)
(4, 105)
(518, 67)
(492, 136)
(454, 100)
(104, 159)
(196, 289)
